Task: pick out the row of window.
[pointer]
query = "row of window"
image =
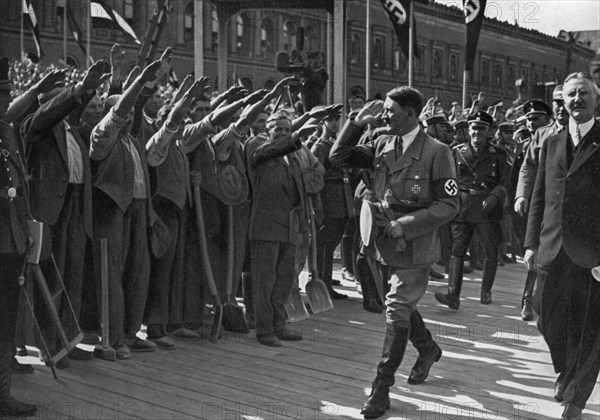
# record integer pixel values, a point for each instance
(494, 73)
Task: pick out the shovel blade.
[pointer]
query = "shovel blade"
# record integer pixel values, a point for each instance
(318, 296)
(294, 307)
(216, 326)
(233, 318)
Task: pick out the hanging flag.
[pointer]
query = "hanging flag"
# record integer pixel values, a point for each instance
(29, 16)
(474, 12)
(75, 29)
(105, 17)
(398, 11)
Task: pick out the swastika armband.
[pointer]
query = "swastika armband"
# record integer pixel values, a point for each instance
(445, 187)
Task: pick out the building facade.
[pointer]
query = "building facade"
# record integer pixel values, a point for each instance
(506, 52)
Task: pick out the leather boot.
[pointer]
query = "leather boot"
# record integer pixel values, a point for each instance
(9, 406)
(371, 302)
(526, 302)
(429, 351)
(394, 346)
(455, 279)
(489, 274)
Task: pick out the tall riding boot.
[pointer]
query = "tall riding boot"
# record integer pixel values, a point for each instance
(371, 302)
(526, 302)
(489, 274)
(394, 345)
(429, 351)
(455, 280)
(248, 301)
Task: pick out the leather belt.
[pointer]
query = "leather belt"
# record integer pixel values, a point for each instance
(474, 191)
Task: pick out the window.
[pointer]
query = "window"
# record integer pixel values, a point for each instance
(215, 29)
(436, 65)
(355, 47)
(60, 11)
(242, 35)
(266, 38)
(485, 72)
(269, 84)
(420, 60)
(128, 9)
(498, 75)
(288, 35)
(511, 75)
(247, 83)
(399, 61)
(188, 23)
(378, 58)
(453, 67)
(311, 38)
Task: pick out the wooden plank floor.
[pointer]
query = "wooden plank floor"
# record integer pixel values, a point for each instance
(495, 366)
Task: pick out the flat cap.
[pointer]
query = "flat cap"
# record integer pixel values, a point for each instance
(435, 119)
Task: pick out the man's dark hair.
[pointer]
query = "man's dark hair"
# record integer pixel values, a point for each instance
(407, 97)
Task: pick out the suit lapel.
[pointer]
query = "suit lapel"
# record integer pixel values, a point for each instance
(60, 134)
(590, 144)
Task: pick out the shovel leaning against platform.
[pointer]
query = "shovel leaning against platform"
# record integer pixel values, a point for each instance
(233, 314)
(316, 290)
(294, 307)
(218, 307)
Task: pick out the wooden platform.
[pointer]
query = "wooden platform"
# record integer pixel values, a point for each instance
(494, 366)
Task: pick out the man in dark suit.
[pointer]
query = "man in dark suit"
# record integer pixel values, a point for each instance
(61, 187)
(124, 215)
(562, 235)
(525, 178)
(276, 224)
(415, 180)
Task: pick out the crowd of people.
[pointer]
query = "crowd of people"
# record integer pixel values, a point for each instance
(202, 196)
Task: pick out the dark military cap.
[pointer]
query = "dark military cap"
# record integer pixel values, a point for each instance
(506, 125)
(536, 106)
(435, 119)
(460, 124)
(481, 117)
(557, 93)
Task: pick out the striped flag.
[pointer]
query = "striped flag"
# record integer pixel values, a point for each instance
(105, 17)
(29, 16)
(474, 12)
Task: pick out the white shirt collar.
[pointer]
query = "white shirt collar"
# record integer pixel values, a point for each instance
(408, 138)
(584, 128)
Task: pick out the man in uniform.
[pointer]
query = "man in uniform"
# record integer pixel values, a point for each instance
(14, 232)
(562, 235)
(526, 178)
(482, 173)
(415, 181)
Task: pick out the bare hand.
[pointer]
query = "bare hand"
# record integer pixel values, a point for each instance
(95, 76)
(521, 205)
(198, 88)
(255, 96)
(282, 83)
(165, 63)
(133, 74)
(320, 113)
(117, 55)
(51, 81)
(235, 92)
(150, 73)
(370, 113)
(183, 88)
(530, 259)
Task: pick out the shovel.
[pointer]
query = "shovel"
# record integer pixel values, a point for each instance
(233, 314)
(316, 290)
(218, 317)
(294, 307)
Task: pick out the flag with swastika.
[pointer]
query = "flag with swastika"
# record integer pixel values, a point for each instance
(398, 11)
